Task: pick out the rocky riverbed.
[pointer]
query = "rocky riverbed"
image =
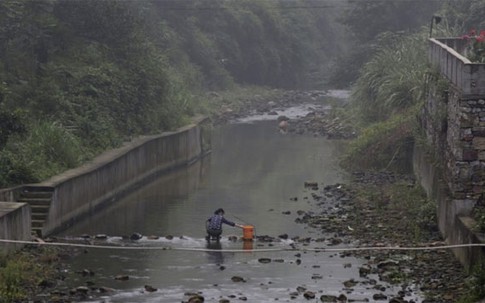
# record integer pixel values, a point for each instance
(361, 214)
(380, 225)
(319, 120)
(372, 223)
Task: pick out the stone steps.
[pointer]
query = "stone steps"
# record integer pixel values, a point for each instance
(39, 198)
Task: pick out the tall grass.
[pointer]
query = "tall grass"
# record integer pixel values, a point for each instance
(386, 99)
(383, 145)
(48, 149)
(396, 78)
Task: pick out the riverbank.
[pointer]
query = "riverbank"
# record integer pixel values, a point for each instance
(382, 209)
(385, 209)
(368, 214)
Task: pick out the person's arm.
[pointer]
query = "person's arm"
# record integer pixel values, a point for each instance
(230, 223)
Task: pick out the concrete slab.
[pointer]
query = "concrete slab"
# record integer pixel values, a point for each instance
(7, 207)
(15, 224)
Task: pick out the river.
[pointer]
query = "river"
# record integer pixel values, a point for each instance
(257, 174)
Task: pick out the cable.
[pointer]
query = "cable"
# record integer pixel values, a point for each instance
(196, 249)
(323, 5)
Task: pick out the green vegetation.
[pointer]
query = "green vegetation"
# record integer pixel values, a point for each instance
(94, 74)
(475, 284)
(382, 145)
(366, 22)
(395, 79)
(78, 77)
(386, 100)
(24, 272)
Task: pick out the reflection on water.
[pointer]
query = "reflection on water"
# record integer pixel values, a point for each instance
(146, 210)
(257, 175)
(216, 257)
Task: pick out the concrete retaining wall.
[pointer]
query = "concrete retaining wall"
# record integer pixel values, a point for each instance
(463, 233)
(14, 224)
(430, 177)
(80, 191)
(447, 54)
(9, 194)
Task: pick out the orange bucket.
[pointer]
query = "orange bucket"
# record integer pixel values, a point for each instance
(248, 232)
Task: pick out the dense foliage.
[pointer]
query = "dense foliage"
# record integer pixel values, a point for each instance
(386, 100)
(394, 83)
(366, 21)
(81, 76)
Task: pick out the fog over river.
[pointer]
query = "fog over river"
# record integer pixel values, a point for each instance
(255, 173)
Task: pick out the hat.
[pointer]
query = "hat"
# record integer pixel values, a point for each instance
(219, 211)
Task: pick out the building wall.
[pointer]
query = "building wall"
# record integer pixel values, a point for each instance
(453, 122)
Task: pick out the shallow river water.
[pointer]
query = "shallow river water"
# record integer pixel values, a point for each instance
(257, 175)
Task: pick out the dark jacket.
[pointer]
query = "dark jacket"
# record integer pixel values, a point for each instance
(215, 222)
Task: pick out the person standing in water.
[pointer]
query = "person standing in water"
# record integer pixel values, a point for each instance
(214, 225)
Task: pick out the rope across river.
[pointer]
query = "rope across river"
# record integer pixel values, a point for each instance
(255, 250)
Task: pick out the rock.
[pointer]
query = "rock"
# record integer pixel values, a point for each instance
(264, 260)
(379, 297)
(350, 283)
(237, 279)
(364, 271)
(122, 277)
(317, 277)
(265, 238)
(82, 289)
(283, 236)
(101, 237)
(387, 264)
(311, 184)
(196, 299)
(309, 295)
(136, 236)
(104, 289)
(283, 118)
(150, 288)
(328, 298)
